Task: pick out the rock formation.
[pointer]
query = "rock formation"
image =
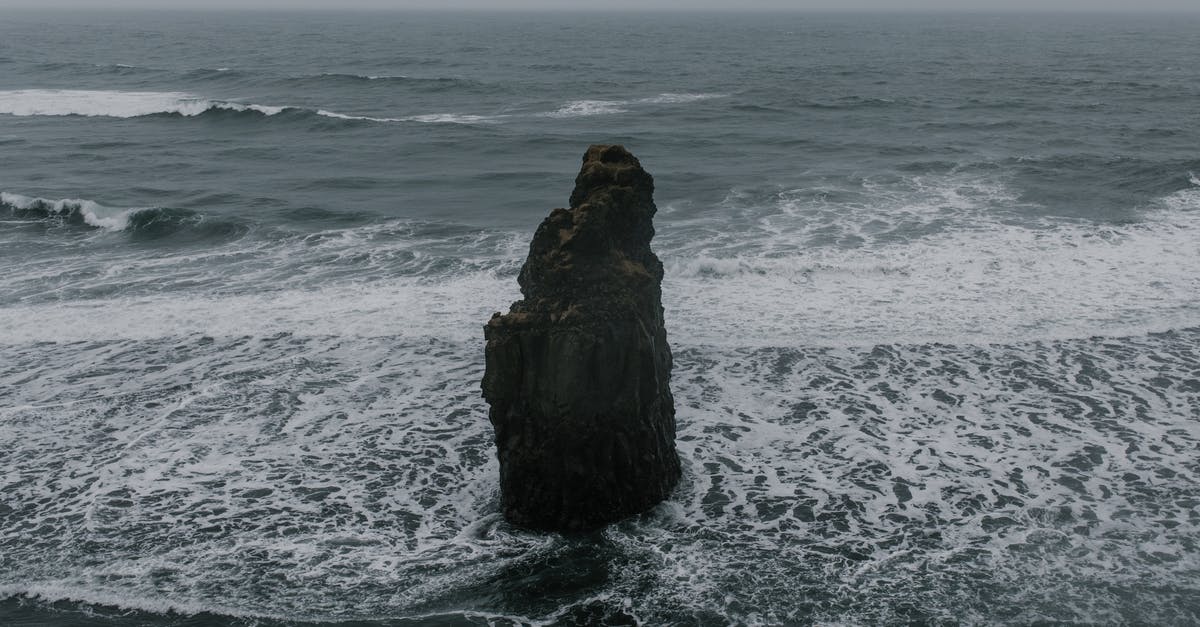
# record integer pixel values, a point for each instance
(578, 371)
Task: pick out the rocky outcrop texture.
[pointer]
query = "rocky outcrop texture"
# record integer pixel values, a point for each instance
(578, 371)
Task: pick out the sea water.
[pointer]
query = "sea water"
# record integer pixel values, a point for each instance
(931, 286)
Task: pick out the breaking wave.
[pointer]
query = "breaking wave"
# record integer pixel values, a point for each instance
(929, 259)
(134, 104)
(151, 222)
(117, 104)
(74, 211)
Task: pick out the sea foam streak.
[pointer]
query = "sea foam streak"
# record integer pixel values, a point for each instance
(132, 104)
(432, 118)
(115, 104)
(585, 108)
(349, 76)
(582, 108)
(678, 98)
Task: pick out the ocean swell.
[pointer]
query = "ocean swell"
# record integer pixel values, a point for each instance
(73, 211)
(140, 222)
(136, 104)
(116, 104)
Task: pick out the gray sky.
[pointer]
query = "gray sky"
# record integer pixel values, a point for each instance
(1138, 6)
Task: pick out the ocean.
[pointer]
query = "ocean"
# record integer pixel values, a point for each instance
(931, 286)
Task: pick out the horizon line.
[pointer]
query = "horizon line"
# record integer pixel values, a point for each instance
(43, 8)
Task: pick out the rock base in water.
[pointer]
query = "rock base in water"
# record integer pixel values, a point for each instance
(578, 371)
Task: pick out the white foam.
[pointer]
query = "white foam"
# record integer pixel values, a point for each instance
(844, 469)
(432, 118)
(679, 98)
(93, 213)
(584, 108)
(1047, 438)
(934, 264)
(406, 307)
(939, 262)
(452, 118)
(343, 116)
(117, 104)
(792, 459)
(369, 77)
(1026, 469)
(129, 104)
(71, 590)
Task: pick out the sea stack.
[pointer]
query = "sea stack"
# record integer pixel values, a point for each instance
(578, 372)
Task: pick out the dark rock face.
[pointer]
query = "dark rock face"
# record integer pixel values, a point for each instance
(578, 371)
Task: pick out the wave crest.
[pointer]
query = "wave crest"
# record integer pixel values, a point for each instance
(116, 104)
(74, 211)
(142, 222)
(134, 104)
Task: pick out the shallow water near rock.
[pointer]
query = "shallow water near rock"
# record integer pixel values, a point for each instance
(930, 287)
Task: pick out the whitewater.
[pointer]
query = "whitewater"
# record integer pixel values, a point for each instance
(132, 104)
(930, 289)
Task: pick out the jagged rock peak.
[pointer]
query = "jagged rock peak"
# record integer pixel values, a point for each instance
(609, 169)
(600, 247)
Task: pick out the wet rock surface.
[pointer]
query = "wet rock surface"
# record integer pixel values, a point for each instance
(578, 372)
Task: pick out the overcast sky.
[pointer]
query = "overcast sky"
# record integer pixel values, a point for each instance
(724, 5)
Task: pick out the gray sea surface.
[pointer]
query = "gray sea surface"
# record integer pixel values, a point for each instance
(931, 286)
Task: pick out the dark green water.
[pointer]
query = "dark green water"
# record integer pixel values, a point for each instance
(931, 287)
